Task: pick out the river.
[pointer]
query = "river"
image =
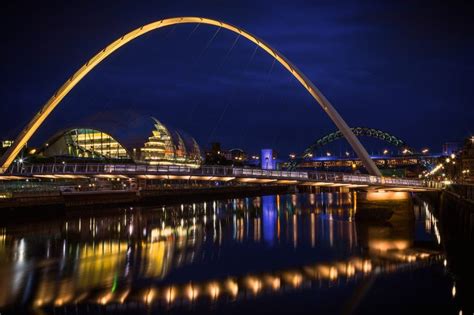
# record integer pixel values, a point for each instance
(296, 253)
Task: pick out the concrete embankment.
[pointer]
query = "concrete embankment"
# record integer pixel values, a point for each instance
(42, 203)
(456, 222)
(456, 215)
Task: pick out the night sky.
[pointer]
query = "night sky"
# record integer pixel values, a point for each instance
(404, 67)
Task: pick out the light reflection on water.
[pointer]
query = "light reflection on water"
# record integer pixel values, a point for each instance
(219, 250)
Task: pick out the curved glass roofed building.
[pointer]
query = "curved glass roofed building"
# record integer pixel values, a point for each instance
(170, 147)
(163, 147)
(85, 143)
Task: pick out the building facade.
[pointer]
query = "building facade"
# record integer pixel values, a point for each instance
(467, 161)
(85, 143)
(164, 147)
(170, 147)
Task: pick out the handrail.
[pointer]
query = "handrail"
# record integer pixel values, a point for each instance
(228, 171)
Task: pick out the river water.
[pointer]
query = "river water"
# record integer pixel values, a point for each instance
(300, 253)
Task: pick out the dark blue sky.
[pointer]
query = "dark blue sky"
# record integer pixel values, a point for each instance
(405, 67)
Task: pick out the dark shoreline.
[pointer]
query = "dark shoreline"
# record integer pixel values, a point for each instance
(82, 204)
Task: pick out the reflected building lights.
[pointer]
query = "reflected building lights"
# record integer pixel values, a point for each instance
(232, 287)
(214, 290)
(171, 240)
(295, 230)
(269, 214)
(192, 292)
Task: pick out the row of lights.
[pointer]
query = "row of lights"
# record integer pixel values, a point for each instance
(385, 152)
(310, 155)
(256, 284)
(441, 165)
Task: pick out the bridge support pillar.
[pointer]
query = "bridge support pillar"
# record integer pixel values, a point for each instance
(343, 190)
(380, 195)
(382, 206)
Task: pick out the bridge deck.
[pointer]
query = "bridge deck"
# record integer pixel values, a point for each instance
(211, 173)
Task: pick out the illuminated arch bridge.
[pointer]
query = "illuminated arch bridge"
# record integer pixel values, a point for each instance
(54, 101)
(336, 135)
(359, 132)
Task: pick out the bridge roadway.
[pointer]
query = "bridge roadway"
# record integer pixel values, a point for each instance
(214, 173)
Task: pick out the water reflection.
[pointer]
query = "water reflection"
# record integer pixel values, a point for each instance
(220, 250)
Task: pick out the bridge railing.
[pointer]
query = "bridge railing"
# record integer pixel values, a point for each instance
(269, 173)
(227, 171)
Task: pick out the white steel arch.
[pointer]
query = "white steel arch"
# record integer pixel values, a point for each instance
(51, 104)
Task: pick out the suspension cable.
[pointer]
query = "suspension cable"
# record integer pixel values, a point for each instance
(231, 97)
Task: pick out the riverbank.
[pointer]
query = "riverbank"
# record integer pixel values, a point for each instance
(454, 212)
(51, 203)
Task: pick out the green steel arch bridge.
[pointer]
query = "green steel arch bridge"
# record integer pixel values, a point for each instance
(359, 132)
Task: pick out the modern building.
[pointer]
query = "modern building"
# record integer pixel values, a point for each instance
(467, 161)
(164, 147)
(170, 147)
(85, 143)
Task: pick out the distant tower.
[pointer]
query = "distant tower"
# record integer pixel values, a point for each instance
(267, 160)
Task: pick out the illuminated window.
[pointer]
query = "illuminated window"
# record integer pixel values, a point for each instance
(166, 147)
